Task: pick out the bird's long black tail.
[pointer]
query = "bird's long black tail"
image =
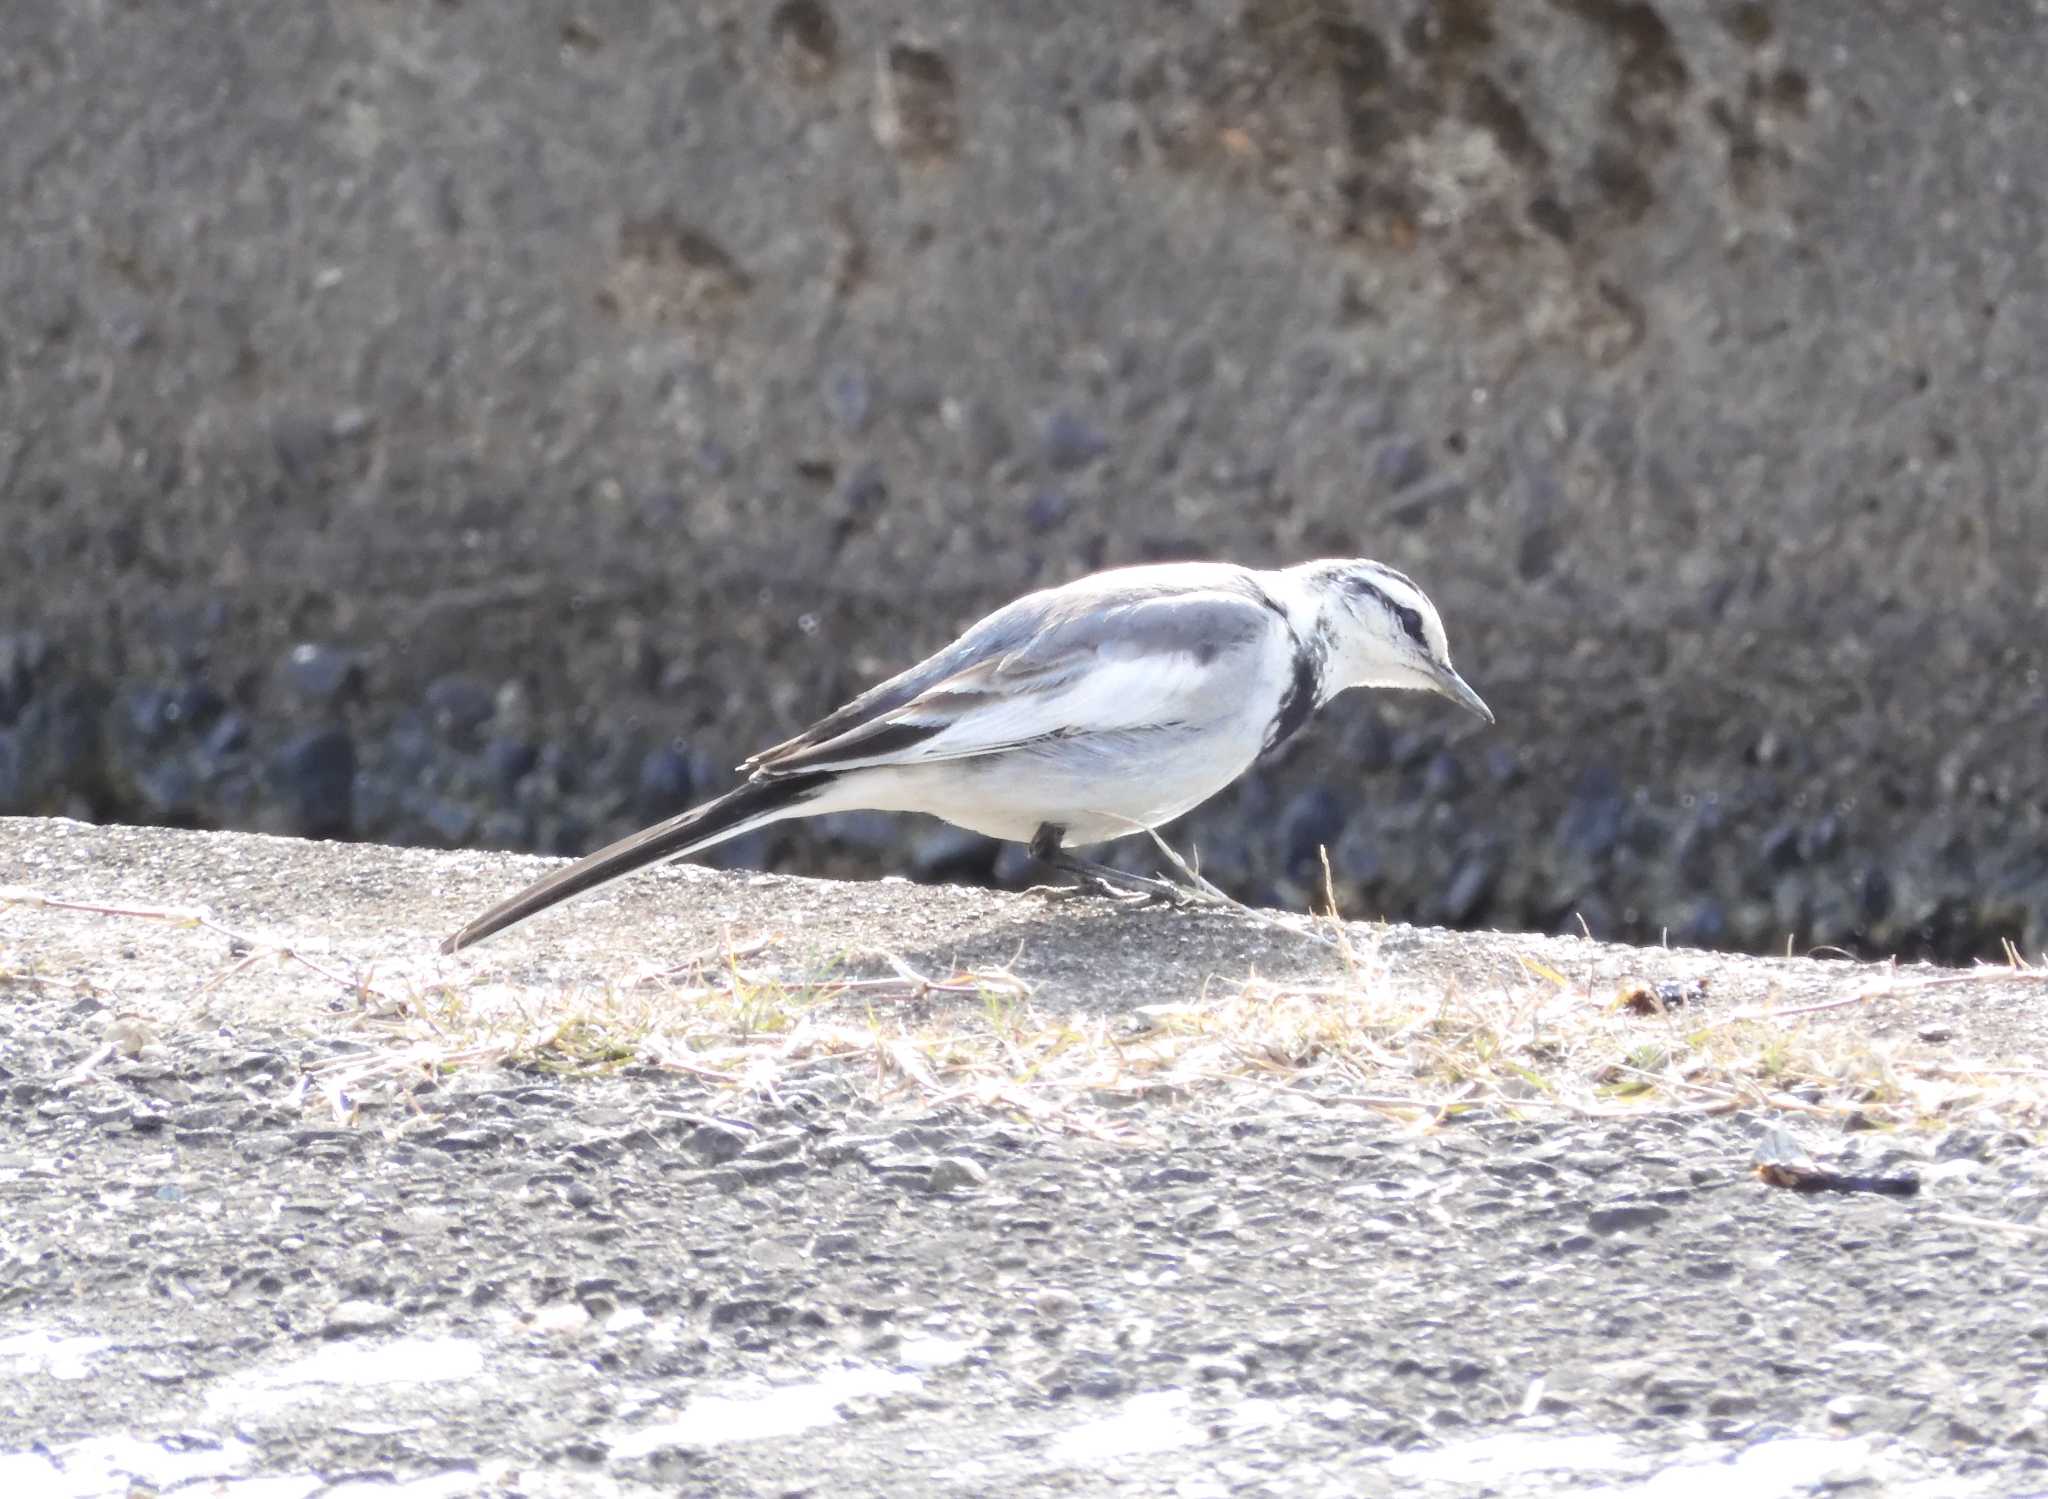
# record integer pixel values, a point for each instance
(739, 810)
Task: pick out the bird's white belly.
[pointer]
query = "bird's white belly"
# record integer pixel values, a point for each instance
(1097, 787)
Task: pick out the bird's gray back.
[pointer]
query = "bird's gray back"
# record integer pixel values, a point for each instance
(1203, 611)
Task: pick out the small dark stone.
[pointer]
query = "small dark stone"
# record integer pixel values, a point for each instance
(377, 805)
(1373, 416)
(714, 1144)
(849, 396)
(1046, 510)
(505, 829)
(1822, 840)
(1425, 500)
(466, 1140)
(1195, 367)
(868, 832)
(313, 777)
(917, 107)
(450, 822)
(1413, 748)
(1371, 744)
(228, 736)
(168, 790)
(23, 655)
(1694, 849)
(807, 37)
(148, 714)
(714, 459)
(983, 435)
(944, 852)
(129, 331)
(563, 768)
(1309, 371)
(1014, 867)
(1312, 821)
(953, 1173)
(408, 749)
(664, 783)
(1358, 859)
(352, 1317)
(13, 775)
(865, 493)
(300, 441)
(1071, 442)
(319, 673)
(759, 1173)
(508, 761)
(1444, 778)
(565, 837)
(1620, 1217)
(1781, 847)
(1243, 471)
(195, 706)
(1591, 824)
(1470, 888)
(1173, 1176)
(1537, 552)
(1552, 217)
(747, 1311)
(753, 850)
(661, 510)
(1644, 831)
(458, 705)
(1399, 464)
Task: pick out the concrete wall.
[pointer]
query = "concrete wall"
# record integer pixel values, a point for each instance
(596, 392)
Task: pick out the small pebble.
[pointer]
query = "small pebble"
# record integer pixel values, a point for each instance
(1071, 442)
(352, 1317)
(954, 1172)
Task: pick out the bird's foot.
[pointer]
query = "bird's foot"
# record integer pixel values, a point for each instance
(1094, 887)
(1137, 890)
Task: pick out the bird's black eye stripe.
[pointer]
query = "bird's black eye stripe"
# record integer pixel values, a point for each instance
(1410, 619)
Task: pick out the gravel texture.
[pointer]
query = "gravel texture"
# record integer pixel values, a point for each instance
(481, 1279)
(432, 428)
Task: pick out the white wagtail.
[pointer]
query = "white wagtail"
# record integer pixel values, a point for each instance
(1075, 715)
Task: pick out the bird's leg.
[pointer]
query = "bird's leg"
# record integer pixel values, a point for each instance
(1102, 879)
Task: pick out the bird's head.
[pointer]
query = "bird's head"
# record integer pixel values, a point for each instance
(1377, 629)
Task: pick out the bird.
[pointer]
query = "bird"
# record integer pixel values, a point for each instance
(1073, 715)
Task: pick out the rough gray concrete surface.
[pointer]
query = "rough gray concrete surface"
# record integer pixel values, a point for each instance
(573, 381)
(218, 1270)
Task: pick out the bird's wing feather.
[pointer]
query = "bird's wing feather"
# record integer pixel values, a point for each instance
(1049, 664)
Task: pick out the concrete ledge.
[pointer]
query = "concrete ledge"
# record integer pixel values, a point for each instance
(378, 913)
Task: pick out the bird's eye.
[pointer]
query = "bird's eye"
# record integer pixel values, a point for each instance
(1411, 624)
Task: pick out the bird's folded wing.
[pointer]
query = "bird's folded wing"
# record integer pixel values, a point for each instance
(1111, 666)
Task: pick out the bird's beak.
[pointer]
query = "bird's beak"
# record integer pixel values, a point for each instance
(1458, 690)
